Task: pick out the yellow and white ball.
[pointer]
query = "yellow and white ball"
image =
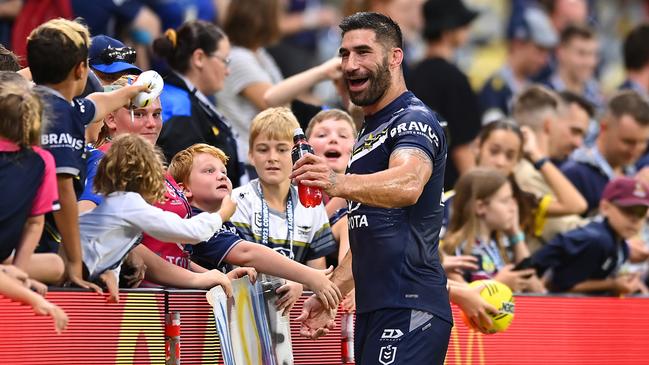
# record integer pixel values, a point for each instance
(500, 296)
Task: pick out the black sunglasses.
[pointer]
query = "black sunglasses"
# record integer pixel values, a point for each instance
(122, 54)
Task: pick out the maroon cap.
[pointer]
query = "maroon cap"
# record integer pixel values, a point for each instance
(626, 192)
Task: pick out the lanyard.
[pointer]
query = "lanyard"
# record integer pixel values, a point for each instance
(265, 223)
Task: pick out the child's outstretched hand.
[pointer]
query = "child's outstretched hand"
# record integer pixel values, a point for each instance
(289, 293)
(228, 207)
(110, 279)
(44, 308)
(240, 272)
(212, 278)
(324, 289)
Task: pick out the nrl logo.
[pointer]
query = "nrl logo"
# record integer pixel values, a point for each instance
(387, 355)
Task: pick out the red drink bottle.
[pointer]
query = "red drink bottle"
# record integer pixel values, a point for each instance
(309, 196)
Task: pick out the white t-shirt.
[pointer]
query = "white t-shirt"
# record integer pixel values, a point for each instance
(247, 68)
(312, 236)
(115, 227)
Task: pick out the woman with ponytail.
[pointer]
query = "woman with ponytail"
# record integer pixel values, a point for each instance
(197, 54)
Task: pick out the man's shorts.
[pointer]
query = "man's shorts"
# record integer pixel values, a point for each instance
(400, 336)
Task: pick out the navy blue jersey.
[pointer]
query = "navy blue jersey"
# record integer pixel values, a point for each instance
(496, 95)
(64, 135)
(592, 252)
(396, 264)
(64, 138)
(21, 174)
(211, 253)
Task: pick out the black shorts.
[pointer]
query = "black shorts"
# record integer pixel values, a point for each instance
(400, 336)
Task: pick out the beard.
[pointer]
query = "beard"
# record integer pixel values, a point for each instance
(379, 82)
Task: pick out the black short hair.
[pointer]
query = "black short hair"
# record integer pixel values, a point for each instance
(636, 48)
(55, 48)
(569, 97)
(386, 29)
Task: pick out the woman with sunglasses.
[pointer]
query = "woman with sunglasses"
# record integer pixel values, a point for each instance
(197, 55)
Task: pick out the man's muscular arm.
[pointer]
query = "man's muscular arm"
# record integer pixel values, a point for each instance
(400, 185)
(342, 275)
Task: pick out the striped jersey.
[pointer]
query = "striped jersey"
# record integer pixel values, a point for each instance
(311, 238)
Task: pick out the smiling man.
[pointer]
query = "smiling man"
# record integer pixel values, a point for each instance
(394, 184)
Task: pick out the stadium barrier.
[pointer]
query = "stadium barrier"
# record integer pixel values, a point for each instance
(546, 330)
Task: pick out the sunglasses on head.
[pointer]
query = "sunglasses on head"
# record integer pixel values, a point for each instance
(122, 54)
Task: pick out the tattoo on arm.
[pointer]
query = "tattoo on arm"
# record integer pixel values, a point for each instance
(333, 179)
(408, 153)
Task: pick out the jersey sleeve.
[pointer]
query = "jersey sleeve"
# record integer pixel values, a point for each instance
(213, 251)
(47, 196)
(85, 110)
(418, 130)
(323, 242)
(167, 226)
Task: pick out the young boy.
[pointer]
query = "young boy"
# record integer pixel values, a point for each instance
(200, 171)
(268, 208)
(587, 259)
(57, 53)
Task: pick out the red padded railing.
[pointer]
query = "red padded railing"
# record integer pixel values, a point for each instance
(546, 330)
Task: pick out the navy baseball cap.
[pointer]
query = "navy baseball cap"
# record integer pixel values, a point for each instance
(626, 192)
(532, 24)
(108, 55)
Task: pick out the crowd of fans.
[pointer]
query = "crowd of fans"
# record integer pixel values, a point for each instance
(547, 178)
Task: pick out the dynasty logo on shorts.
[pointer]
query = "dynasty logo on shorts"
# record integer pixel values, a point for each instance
(391, 334)
(387, 355)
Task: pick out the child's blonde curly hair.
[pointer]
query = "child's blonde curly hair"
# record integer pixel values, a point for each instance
(131, 164)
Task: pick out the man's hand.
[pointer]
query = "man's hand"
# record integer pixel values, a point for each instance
(312, 170)
(475, 308)
(530, 145)
(315, 319)
(349, 303)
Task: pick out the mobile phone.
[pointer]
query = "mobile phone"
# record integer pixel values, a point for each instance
(525, 264)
